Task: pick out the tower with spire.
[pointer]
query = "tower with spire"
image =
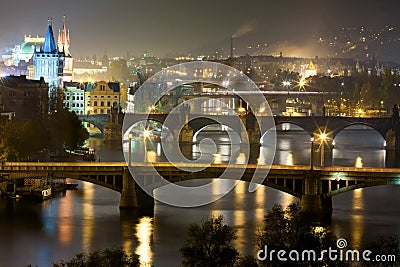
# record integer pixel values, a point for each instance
(53, 61)
(63, 47)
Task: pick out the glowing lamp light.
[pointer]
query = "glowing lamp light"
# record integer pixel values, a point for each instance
(146, 133)
(302, 83)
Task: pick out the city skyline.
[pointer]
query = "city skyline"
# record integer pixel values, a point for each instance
(178, 27)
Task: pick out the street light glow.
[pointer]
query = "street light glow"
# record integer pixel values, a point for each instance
(146, 133)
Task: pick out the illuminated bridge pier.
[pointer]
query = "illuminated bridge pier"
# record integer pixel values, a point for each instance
(314, 187)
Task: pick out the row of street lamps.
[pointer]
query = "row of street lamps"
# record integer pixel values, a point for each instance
(147, 133)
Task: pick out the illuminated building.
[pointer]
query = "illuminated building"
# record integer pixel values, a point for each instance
(74, 98)
(310, 70)
(77, 96)
(54, 62)
(24, 51)
(103, 97)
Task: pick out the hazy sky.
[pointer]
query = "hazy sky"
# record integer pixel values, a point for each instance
(173, 26)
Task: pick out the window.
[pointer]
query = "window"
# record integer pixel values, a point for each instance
(108, 103)
(95, 103)
(102, 104)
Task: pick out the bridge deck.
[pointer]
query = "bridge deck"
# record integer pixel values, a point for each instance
(113, 166)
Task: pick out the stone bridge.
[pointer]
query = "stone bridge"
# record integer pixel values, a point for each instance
(313, 125)
(98, 120)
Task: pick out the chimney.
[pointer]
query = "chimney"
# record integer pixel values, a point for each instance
(231, 55)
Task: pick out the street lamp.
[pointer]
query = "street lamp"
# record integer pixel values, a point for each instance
(146, 134)
(322, 138)
(130, 137)
(312, 153)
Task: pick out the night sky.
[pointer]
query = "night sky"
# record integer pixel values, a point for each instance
(166, 27)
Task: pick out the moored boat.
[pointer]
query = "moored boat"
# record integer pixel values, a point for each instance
(42, 194)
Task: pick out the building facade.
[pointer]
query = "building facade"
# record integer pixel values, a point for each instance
(25, 98)
(103, 97)
(74, 98)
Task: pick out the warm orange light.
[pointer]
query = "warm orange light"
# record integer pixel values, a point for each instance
(146, 133)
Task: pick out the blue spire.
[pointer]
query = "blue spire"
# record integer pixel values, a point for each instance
(49, 45)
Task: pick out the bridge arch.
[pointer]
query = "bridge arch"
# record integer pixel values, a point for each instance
(158, 131)
(382, 132)
(302, 126)
(224, 128)
(98, 120)
(359, 185)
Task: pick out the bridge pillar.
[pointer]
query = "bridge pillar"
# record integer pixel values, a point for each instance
(312, 202)
(133, 196)
(392, 159)
(185, 135)
(128, 194)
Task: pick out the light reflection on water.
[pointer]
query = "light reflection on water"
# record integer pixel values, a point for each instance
(144, 233)
(88, 214)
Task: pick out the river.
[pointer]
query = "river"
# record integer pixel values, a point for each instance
(89, 218)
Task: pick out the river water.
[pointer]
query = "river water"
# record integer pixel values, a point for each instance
(89, 218)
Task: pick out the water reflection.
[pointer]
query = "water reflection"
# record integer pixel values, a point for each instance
(289, 159)
(239, 215)
(144, 233)
(65, 213)
(357, 218)
(87, 210)
(359, 162)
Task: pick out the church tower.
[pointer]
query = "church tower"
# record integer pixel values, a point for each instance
(63, 47)
(49, 63)
(54, 62)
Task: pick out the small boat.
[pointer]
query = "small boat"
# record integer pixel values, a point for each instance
(42, 194)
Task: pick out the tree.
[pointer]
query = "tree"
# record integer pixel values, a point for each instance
(21, 140)
(209, 244)
(106, 258)
(388, 91)
(290, 230)
(385, 245)
(66, 130)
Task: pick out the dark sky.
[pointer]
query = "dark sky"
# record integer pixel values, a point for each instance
(174, 26)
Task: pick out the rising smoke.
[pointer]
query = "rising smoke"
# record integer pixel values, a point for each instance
(245, 28)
